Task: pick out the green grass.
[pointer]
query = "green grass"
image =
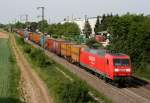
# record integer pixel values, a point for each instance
(5, 66)
(1, 30)
(9, 74)
(143, 72)
(54, 78)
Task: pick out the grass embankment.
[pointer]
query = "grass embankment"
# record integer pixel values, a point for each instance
(61, 87)
(143, 73)
(9, 74)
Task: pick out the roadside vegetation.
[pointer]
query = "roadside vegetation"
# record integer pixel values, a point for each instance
(9, 75)
(61, 88)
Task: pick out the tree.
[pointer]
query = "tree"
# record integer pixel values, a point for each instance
(20, 25)
(33, 26)
(2, 25)
(42, 25)
(87, 29)
(71, 29)
(97, 26)
(66, 29)
(103, 23)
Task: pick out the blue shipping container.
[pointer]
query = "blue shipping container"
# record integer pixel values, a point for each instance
(42, 40)
(26, 34)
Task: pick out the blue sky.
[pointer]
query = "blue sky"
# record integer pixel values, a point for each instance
(57, 10)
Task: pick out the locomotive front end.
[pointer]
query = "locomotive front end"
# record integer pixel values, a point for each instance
(122, 68)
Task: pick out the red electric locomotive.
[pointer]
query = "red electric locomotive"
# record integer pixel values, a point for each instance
(112, 66)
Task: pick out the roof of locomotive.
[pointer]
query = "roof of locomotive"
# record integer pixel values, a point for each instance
(103, 52)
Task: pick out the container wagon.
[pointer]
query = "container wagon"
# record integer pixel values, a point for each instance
(49, 44)
(30, 36)
(42, 41)
(75, 53)
(21, 33)
(26, 35)
(57, 46)
(36, 38)
(66, 50)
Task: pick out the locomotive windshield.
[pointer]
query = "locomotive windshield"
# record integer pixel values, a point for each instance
(121, 62)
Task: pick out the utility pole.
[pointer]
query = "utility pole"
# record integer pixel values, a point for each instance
(49, 20)
(20, 18)
(14, 21)
(27, 21)
(43, 8)
(85, 17)
(27, 17)
(43, 13)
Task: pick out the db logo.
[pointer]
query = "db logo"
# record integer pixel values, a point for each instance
(92, 59)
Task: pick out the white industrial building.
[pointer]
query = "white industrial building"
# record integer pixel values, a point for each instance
(81, 22)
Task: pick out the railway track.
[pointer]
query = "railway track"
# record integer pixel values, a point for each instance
(140, 82)
(140, 87)
(135, 93)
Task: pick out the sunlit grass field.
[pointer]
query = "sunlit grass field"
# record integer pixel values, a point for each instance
(9, 74)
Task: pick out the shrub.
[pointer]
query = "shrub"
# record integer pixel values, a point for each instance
(27, 49)
(40, 58)
(35, 53)
(20, 41)
(43, 60)
(143, 70)
(74, 92)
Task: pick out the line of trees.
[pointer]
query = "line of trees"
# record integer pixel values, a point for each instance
(51, 29)
(65, 29)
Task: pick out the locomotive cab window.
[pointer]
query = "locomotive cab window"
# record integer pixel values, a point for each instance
(121, 62)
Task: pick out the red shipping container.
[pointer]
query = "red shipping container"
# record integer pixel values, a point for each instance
(57, 46)
(50, 44)
(36, 38)
(30, 36)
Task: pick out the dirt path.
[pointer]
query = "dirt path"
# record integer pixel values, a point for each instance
(33, 88)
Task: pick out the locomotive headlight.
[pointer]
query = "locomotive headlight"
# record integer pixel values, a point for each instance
(128, 70)
(116, 70)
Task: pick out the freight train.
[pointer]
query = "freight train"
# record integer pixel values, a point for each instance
(110, 66)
